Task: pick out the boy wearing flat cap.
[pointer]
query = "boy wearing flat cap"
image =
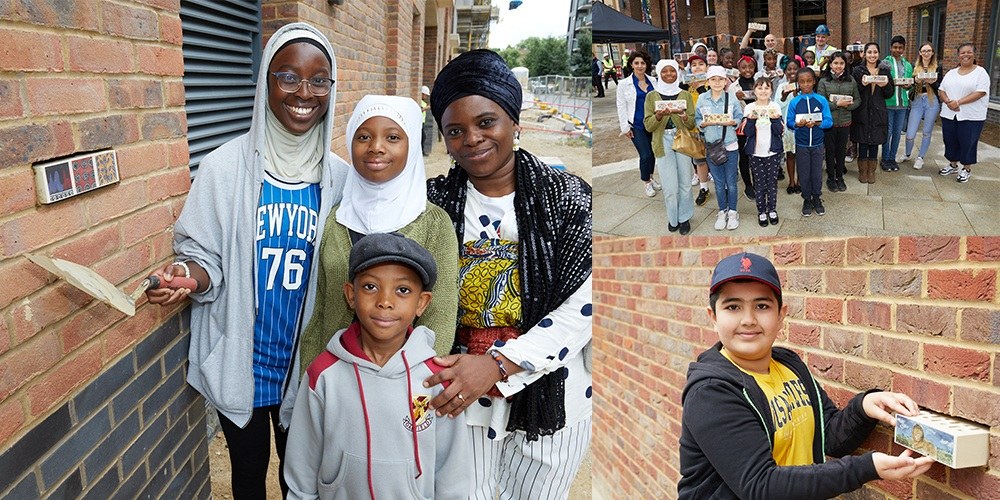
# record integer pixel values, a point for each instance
(361, 426)
(755, 423)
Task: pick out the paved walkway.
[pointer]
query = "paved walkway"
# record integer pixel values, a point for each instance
(905, 202)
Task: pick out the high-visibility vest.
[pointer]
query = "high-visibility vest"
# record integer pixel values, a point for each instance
(608, 64)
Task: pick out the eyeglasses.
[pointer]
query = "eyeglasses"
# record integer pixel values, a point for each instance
(290, 83)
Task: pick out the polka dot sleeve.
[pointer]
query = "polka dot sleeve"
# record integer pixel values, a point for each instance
(552, 343)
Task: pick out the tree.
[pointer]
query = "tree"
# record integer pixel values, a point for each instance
(511, 55)
(544, 56)
(580, 59)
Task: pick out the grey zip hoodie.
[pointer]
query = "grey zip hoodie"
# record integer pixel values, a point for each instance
(216, 229)
(353, 434)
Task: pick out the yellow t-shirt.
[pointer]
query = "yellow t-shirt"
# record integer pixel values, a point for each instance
(791, 411)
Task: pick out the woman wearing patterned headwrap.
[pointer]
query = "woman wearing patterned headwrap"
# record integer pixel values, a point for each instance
(525, 288)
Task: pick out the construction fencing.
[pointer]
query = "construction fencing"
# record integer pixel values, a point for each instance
(569, 96)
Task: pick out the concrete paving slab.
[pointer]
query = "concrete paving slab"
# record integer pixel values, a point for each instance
(983, 218)
(912, 216)
(610, 210)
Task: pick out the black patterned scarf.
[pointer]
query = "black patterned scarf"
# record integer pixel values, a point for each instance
(554, 224)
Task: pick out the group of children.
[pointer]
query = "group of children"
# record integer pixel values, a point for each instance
(809, 113)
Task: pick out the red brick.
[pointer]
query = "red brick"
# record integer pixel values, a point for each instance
(29, 51)
(900, 352)
(65, 95)
(27, 360)
(32, 315)
(826, 310)
(132, 93)
(896, 282)
(840, 340)
(845, 282)
(139, 159)
(935, 249)
(827, 367)
(125, 264)
(170, 29)
(129, 22)
(928, 393)
(51, 13)
(155, 60)
(174, 91)
(116, 201)
(925, 489)
(163, 125)
(144, 224)
(171, 183)
(100, 55)
(981, 325)
(803, 334)
(4, 336)
(864, 377)
(803, 281)
(54, 386)
(829, 253)
(108, 131)
(983, 248)
(787, 253)
(125, 334)
(10, 99)
(871, 251)
(17, 191)
(24, 144)
(21, 278)
(962, 284)
(87, 324)
(901, 489)
(11, 418)
(30, 230)
(976, 482)
(171, 6)
(162, 246)
(926, 320)
(869, 313)
(63, 133)
(957, 362)
(90, 246)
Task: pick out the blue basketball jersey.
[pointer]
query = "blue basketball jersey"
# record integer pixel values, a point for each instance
(287, 219)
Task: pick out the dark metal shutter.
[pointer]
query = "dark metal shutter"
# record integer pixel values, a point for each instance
(221, 57)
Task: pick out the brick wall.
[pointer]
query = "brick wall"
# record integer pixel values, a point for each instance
(92, 401)
(916, 315)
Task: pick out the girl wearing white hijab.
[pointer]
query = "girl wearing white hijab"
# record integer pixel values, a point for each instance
(386, 191)
(674, 167)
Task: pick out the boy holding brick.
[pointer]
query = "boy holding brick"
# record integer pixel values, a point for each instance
(756, 424)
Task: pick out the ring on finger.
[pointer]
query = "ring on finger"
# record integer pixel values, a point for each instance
(461, 398)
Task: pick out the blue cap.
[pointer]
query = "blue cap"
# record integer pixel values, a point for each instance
(745, 266)
(822, 30)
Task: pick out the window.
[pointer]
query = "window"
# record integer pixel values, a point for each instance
(930, 28)
(883, 34)
(709, 8)
(221, 55)
(989, 56)
(806, 16)
(757, 13)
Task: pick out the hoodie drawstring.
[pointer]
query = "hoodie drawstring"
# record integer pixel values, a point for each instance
(368, 430)
(413, 419)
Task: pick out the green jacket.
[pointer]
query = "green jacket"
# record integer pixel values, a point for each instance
(656, 127)
(842, 86)
(434, 231)
(900, 96)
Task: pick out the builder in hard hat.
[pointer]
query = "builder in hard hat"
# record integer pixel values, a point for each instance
(822, 50)
(626, 69)
(609, 70)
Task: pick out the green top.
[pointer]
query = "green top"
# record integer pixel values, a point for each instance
(433, 230)
(841, 115)
(656, 127)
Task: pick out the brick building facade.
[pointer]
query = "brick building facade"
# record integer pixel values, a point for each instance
(915, 315)
(94, 403)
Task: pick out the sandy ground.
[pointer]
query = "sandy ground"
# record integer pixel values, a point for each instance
(547, 143)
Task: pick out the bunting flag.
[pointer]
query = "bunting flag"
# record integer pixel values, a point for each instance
(736, 38)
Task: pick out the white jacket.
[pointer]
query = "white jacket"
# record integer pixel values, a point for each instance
(625, 99)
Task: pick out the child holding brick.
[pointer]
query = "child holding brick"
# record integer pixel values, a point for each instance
(809, 139)
(755, 424)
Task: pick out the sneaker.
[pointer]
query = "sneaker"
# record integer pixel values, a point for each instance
(694, 180)
(702, 196)
(818, 205)
(773, 218)
(685, 227)
(885, 166)
(807, 207)
(918, 163)
(720, 223)
(893, 166)
(710, 178)
(762, 219)
(950, 169)
(734, 220)
(902, 158)
(841, 185)
(848, 159)
(750, 194)
(831, 184)
(649, 190)
(964, 175)
(656, 185)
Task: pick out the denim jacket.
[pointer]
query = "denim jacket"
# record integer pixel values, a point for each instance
(706, 105)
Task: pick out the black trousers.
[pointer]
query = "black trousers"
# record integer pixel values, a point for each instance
(744, 164)
(835, 140)
(610, 74)
(596, 82)
(250, 453)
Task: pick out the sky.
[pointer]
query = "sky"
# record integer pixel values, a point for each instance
(541, 18)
